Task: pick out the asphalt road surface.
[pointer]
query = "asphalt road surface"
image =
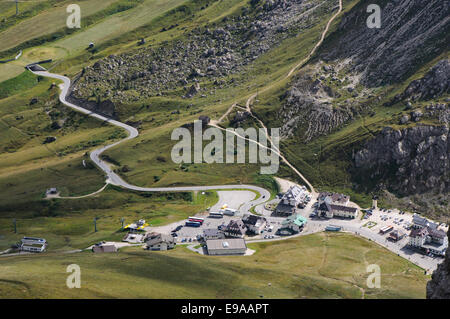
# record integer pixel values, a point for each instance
(113, 178)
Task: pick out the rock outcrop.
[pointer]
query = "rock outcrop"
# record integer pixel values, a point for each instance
(439, 285)
(412, 32)
(408, 161)
(432, 85)
(308, 110)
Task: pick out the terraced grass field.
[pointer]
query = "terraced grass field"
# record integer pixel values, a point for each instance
(314, 266)
(118, 24)
(46, 22)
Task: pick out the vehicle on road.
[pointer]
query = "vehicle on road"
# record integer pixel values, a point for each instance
(215, 215)
(177, 228)
(193, 224)
(229, 211)
(386, 229)
(333, 228)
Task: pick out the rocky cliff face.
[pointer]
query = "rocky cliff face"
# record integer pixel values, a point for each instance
(434, 84)
(439, 285)
(412, 32)
(408, 161)
(308, 109)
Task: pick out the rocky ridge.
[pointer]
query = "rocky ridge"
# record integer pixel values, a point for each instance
(310, 108)
(434, 84)
(412, 32)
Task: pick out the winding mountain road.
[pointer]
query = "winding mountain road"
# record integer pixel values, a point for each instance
(113, 178)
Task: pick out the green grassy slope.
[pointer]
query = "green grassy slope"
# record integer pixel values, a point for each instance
(314, 266)
(68, 224)
(47, 22)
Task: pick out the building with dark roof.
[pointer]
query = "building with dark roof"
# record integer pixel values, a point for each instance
(160, 242)
(236, 228)
(396, 235)
(421, 222)
(284, 210)
(212, 233)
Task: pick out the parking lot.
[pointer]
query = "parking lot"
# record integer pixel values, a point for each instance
(391, 217)
(189, 234)
(368, 227)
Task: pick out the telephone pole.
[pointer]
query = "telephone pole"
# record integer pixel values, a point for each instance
(17, 7)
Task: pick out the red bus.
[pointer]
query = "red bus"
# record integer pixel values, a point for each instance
(196, 219)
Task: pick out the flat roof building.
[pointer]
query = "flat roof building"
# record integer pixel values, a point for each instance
(231, 246)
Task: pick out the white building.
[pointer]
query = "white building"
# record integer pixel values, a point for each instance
(333, 198)
(255, 224)
(330, 210)
(296, 196)
(35, 245)
(429, 239)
